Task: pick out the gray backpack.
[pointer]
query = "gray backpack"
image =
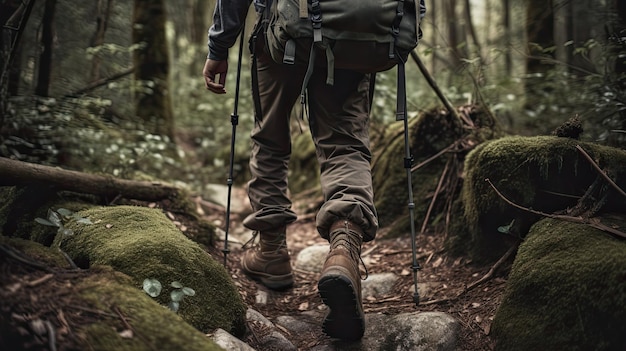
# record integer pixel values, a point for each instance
(362, 35)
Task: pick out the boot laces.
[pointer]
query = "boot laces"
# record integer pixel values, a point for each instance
(279, 241)
(350, 241)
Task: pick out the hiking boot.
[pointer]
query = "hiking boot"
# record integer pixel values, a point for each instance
(340, 283)
(269, 263)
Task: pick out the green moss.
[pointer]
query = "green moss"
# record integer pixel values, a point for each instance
(36, 251)
(154, 327)
(429, 133)
(143, 243)
(566, 290)
(531, 172)
(25, 203)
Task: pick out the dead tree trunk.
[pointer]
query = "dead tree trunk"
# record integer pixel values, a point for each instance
(22, 173)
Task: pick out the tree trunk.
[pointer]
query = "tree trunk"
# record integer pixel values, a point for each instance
(151, 61)
(102, 22)
(23, 173)
(471, 31)
(453, 38)
(45, 58)
(563, 34)
(433, 10)
(14, 16)
(620, 32)
(506, 19)
(539, 35)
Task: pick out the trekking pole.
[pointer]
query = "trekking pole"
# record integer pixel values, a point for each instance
(234, 120)
(408, 161)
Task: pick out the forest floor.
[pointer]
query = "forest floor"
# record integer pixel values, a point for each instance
(469, 292)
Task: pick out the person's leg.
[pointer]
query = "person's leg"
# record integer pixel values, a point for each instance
(278, 89)
(339, 118)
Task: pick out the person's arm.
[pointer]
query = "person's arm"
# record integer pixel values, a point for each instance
(228, 20)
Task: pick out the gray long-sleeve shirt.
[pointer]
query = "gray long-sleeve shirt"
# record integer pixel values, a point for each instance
(228, 19)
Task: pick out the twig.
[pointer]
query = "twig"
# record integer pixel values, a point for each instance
(20, 257)
(40, 280)
(52, 344)
(68, 259)
(130, 327)
(579, 220)
(91, 310)
(384, 308)
(428, 160)
(122, 318)
(493, 268)
(474, 284)
(600, 171)
(432, 202)
(369, 251)
(61, 318)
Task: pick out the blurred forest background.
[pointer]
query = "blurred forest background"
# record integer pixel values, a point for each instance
(116, 87)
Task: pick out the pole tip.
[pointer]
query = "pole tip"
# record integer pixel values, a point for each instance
(416, 298)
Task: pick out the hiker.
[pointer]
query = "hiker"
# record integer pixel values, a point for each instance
(338, 117)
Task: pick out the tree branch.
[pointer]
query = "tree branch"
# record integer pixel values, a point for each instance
(23, 173)
(433, 84)
(593, 223)
(600, 171)
(101, 82)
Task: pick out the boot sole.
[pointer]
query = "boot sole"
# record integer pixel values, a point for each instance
(274, 282)
(345, 320)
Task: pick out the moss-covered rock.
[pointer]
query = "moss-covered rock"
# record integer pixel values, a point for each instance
(566, 290)
(22, 204)
(544, 173)
(122, 317)
(429, 133)
(143, 243)
(153, 327)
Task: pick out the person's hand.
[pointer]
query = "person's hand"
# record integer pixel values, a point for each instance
(215, 69)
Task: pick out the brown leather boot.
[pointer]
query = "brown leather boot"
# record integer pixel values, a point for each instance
(269, 263)
(340, 283)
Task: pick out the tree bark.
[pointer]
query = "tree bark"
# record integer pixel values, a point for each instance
(23, 173)
(10, 35)
(453, 38)
(102, 23)
(45, 59)
(151, 62)
(506, 18)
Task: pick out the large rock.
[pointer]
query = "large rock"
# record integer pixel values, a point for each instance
(97, 309)
(566, 290)
(544, 173)
(143, 243)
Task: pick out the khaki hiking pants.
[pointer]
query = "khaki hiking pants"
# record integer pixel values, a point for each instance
(338, 120)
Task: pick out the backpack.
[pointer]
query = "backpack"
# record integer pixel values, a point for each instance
(363, 35)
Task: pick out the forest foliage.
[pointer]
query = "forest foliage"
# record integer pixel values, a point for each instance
(116, 87)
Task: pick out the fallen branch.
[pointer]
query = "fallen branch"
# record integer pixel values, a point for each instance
(593, 223)
(600, 171)
(23, 173)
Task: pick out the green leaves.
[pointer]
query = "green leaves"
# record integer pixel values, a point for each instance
(153, 288)
(56, 218)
